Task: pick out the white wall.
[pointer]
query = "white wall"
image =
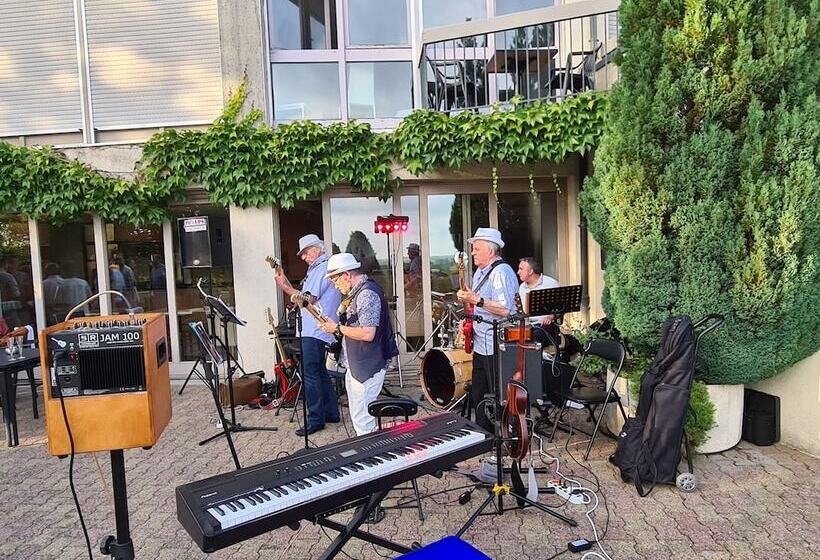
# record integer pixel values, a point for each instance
(252, 239)
(799, 390)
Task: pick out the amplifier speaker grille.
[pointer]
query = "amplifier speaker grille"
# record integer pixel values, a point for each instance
(112, 368)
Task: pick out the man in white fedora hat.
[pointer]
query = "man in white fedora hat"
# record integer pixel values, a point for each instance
(321, 397)
(368, 343)
(493, 295)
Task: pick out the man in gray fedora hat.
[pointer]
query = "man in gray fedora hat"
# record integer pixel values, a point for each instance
(321, 397)
(493, 295)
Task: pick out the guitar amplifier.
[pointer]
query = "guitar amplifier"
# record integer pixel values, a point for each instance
(111, 374)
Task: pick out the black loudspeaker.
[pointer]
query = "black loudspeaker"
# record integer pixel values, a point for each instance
(761, 417)
(532, 369)
(220, 235)
(195, 242)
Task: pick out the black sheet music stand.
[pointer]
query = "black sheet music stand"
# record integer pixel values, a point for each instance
(226, 315)
(554, 301)
(211, 360)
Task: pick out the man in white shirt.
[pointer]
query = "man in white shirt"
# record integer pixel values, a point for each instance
(545, 328)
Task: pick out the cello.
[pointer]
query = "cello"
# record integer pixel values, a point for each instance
(467, 325)
(514, 416)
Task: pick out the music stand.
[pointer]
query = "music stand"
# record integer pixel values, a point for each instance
(211, 377)
(554, 301)
(226, 315)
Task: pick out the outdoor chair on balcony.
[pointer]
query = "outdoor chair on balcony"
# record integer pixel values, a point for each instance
(448, 90)
(575, 78)
(592, 398)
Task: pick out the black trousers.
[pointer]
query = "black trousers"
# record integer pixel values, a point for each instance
(482, 383)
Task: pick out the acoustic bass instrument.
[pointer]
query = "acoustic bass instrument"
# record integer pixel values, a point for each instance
(514, 417)
(467, 325)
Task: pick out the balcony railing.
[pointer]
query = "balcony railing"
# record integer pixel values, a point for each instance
(544, 54)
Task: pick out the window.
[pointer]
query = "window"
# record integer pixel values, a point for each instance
(511, 6)
(217, 279)
(302, 24)
(436, 12)
(306, 91)
(69, 269)
(16, 286)
(528, 228)
(379, 89)
(377, 22)
(138, 255)
(351, 227)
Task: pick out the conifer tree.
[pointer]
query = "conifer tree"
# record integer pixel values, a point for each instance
(706, 189)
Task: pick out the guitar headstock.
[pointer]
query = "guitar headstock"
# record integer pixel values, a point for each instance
(274, 262)
(519, 307)
(269, 318)
(459, 259)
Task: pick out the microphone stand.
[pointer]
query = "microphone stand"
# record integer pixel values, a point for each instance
(302, 386)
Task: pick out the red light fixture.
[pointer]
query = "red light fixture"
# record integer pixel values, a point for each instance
(391, 224)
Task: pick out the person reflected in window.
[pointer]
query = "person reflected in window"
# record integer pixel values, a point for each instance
(130, 289)
(9, 293)
(157, 273)
(413, 279)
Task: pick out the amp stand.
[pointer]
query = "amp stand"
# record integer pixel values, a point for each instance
(302, 387)
(346, 532)
(499, 490)
(121, 547)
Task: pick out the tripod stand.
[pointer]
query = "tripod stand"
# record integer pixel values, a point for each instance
(217, 306)
(499, 489)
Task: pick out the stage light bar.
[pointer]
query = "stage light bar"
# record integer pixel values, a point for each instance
(391, 224)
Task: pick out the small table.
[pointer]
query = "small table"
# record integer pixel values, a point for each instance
(508, 61)
(8, 387)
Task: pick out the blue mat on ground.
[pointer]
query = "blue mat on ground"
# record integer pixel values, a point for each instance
(448, 547)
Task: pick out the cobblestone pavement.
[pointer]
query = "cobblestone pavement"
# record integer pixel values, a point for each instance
(752, 502)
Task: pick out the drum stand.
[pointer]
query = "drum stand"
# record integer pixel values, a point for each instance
(450, 317)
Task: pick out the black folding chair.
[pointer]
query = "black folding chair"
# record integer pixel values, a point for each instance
(590, 397)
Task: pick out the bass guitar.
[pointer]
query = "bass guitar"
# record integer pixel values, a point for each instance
(514, 417)
(467, 324)
(283, 369)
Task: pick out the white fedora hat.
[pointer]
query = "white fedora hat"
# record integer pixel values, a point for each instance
(309, 240)
(488, 234)
(341, 262)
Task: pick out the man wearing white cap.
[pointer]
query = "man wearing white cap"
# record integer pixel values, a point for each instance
(321, 397)
(493, 295)
(368, 343)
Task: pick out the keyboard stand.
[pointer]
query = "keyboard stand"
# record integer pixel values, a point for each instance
(346, 532)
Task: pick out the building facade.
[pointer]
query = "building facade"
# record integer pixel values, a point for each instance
(97, 78)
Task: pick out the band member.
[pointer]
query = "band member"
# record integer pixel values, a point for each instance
(321, 397)
(545, 328)
(493, 294)
(368, 343)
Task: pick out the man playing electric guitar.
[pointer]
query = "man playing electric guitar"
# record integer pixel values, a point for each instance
(321, 397)
(493, 294)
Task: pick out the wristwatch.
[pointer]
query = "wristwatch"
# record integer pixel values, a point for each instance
(338, 331)
(480, 302)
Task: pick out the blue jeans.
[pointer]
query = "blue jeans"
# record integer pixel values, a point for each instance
(321, 398)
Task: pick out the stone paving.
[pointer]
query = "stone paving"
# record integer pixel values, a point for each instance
(752, 502)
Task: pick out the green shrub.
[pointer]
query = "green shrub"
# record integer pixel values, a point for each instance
(706, 190)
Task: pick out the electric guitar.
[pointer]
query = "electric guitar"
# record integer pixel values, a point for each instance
(274, 262)
(301, 299)
(467, 325)
(514, 417)
(283, 368)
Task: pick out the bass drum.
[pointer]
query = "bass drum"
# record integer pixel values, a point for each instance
(446, 374)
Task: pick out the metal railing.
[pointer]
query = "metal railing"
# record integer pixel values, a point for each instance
(545, 54)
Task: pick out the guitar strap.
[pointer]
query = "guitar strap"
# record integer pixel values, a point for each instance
(487, 277)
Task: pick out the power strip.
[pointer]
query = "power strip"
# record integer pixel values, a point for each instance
(566, 493)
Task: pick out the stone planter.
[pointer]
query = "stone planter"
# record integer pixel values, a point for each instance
(728, 402)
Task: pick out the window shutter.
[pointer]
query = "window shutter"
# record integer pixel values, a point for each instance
(153, 62)
(39, 78)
